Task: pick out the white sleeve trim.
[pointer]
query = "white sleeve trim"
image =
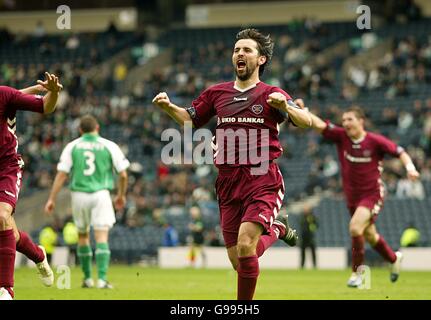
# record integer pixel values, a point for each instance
(119, 160)
(65, 164)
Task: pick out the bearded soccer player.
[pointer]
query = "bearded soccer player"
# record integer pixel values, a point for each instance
(360, 153)
(11, 164)
(250, 191)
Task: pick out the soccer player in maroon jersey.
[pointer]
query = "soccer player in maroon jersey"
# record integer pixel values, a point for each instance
(250, 191)
(11, 164)
(360, 153)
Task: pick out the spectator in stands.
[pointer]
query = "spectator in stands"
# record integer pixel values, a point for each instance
(309, 227)
(410, 236)
(410, 189)
(170, 235)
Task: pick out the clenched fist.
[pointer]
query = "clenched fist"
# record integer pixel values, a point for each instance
(277, 100)
(162, 100)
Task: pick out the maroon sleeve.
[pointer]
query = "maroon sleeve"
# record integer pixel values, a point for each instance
(202, 109)
(387, 146)
(21, 101)
(333, 132)
(280, 115)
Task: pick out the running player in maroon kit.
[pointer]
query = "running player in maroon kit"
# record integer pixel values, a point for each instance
(11, 164)
(360, 154)
(250, 192)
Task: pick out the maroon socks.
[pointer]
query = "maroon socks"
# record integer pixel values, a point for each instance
(7, 259)
(248, 271)
(358, 252)
(27, 247)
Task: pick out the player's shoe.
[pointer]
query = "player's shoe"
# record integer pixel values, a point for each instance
(103, 284)
(355, 280)
(88, 283)
(4, 294)
(287, 234)
(45, 272)
(396, 266)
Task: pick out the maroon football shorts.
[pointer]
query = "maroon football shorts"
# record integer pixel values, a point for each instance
(244, 197)
(374, 202)
(10, 183)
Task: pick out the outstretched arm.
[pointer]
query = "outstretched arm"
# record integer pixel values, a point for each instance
(59, 181)
(317, 124)
(180, 115)
(37, 89)
(412, 173)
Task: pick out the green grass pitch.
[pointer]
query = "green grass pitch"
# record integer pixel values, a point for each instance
(147, 283)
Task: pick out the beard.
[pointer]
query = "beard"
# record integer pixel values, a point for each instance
(246, 74)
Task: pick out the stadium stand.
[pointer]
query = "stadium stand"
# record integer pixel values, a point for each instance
(395, 92)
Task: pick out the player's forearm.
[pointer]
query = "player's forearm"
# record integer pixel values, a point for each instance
(180, 115)
(317, 123)
(59, 181)
(37, 89)
(122, 184)
(300, 117)
(407, 161)
(50, 102)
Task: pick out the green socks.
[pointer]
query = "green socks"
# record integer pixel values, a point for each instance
(103, 255)
(85, 256)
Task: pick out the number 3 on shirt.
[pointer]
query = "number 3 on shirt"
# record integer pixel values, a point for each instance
(89, 160)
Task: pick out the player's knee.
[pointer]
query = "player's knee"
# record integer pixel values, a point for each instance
(245, 246)
(4, 219)
(355, 230)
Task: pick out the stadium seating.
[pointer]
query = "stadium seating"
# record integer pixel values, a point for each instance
(137, 126)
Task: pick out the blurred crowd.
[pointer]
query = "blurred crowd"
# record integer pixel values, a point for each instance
(132, 121)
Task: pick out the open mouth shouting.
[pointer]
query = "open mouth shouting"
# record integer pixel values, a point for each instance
(241, 65)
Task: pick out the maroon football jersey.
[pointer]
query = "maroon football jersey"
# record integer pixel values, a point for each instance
(361, 161)
(247, 126)
(12, 100)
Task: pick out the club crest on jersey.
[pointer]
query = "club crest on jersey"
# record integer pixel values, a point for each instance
(367, 153)
(257, 109)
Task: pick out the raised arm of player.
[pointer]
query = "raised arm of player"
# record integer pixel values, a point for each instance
(53, 87)
(317, 124)
(412, 173)
(37, 89)
(120, 198)
(180, 115)
(300, 117)
(59, 181)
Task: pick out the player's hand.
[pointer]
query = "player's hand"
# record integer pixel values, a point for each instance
(49, 207)
(277, 100)
(41, 88)
(413, 175)
(51, 83)
(162, 100)
(119, 202)
(300, 103)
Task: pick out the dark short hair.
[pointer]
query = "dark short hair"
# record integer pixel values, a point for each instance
(265, 45)
(88, 124)
(358, 111)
